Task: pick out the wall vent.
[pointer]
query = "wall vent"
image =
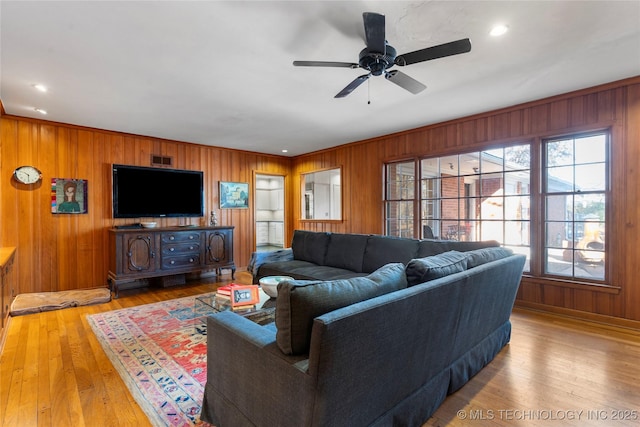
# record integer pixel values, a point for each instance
(161, 160)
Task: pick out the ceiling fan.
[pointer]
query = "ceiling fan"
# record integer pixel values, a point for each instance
(379, 56)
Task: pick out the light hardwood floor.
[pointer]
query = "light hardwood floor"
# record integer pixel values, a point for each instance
(555, 372)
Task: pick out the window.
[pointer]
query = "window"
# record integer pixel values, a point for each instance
(575, 200)
(488, 195)
(399, 198)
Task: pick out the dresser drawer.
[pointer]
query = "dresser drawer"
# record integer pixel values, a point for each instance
(180, 237)
(174, 249)
(180, 261)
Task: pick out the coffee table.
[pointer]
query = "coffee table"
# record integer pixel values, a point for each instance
(208, 304)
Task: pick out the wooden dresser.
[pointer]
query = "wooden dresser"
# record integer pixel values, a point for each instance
(169, 253)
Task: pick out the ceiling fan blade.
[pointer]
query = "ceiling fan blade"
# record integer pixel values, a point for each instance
(351, 86)
(324, 64)
(374, 32)
(434, 52)
(405, 82)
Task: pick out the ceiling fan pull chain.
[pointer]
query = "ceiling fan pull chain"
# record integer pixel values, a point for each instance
(368, 92)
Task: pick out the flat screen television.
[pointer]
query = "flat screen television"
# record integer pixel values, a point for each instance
(140, 192)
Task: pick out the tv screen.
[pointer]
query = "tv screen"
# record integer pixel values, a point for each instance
(140, 192)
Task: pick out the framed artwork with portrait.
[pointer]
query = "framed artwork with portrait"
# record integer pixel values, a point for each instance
(234, 195)
(68, 196)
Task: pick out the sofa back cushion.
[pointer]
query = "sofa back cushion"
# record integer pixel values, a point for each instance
(482, 256)
(346, 251)
(429, 247)
(300, 301)
(309, 246)
(433, 267)
(381, 250)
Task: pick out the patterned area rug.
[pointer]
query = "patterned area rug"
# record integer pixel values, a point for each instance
(160, 352)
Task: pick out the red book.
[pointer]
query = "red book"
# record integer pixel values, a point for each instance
(226, 290)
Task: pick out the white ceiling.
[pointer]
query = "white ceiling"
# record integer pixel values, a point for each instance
(220, 72)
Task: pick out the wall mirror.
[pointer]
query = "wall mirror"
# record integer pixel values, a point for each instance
(322, 195)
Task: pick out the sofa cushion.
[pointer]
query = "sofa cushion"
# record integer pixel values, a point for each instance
(381, 250)
(310, 246)
(429, 247)
(482, 256)
(433, 267)
(300, 301)
(346, 251)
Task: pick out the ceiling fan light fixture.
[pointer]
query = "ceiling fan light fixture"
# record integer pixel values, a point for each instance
(498, 30)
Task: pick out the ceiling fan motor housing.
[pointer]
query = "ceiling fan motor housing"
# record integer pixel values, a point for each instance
(377, 63)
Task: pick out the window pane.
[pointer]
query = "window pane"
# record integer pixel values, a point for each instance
(560, 153)
(400, 219)
(516, 207)
(560, 179)
(492, 230)
(517, 157)
(559, 261)
(492, 208)
(449, 165)
(430, 188)
(517, 182)
(517, 233)
(429, 168)
(492, 161)
(451, 186)
(469, 163)
(591, 177)
(558, 208)
(591, 149)
(491, 184)
(589, 207)
(559, 234)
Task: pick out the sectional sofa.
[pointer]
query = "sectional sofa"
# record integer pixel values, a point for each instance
(330, 256)
(376, 349)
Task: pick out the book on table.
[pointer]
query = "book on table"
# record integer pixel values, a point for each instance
(237, 297)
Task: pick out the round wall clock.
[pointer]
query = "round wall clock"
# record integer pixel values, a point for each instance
(27, 174)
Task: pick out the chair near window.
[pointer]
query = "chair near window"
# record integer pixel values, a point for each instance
(427, 232)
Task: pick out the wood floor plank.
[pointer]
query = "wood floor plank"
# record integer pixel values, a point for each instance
(556, 371)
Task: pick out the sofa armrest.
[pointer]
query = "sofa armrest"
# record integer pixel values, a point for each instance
(249, 380)
(259, 258)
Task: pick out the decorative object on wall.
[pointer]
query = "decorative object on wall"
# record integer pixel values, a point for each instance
(234, 195)
(214, 219)
(27, 175)
(68, 196)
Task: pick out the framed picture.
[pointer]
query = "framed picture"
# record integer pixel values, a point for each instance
(234, 195)
(242, 296)
(68, 196)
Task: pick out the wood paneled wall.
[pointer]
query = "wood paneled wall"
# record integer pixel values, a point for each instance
(615, 106)
(61, 252)
(58, 252)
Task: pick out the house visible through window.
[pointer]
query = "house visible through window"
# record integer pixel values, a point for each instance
(488, 195)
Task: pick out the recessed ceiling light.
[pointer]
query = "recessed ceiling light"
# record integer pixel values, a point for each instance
(285, 151)
(40, 110)
(40, 87)
(499, 30)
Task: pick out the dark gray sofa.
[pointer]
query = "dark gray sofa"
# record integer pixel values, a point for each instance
(330, 256)
(380, 350)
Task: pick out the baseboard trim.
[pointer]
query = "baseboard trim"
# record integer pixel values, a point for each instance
(580, 315)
